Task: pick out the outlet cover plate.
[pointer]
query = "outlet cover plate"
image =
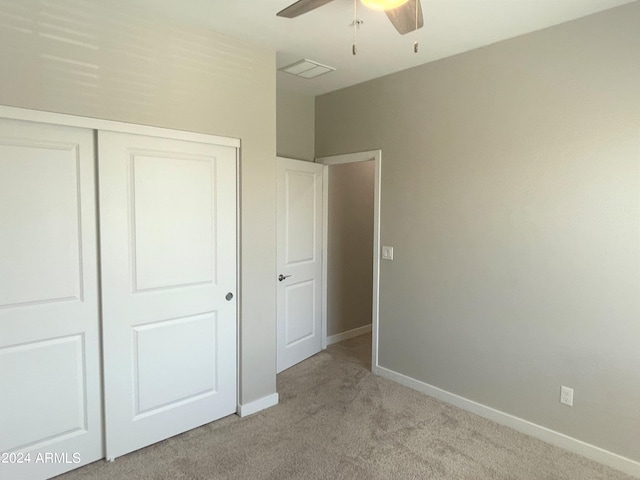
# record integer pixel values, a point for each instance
(566, 396)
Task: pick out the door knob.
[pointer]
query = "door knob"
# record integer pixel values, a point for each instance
(281, 277)
(229, 296)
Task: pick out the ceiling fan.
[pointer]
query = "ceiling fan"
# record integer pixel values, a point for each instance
(405, 15)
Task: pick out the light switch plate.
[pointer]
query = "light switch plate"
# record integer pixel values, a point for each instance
(387, 253)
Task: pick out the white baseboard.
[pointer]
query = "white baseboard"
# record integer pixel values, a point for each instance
(257, 405)
(339, 337)
(605, 457)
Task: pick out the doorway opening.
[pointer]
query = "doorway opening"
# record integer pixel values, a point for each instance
(343, 228)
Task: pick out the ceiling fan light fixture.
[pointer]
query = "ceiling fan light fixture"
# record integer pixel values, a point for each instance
(384, 4)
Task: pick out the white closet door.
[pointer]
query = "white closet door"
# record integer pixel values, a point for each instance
(168, 254)
(50, 383)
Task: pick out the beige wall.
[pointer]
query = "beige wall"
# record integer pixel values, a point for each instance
(113, 61)
(295, 114)
(350, 246)
(510, 191)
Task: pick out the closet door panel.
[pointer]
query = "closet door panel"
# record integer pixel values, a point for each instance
(168, 242)
(50, 374)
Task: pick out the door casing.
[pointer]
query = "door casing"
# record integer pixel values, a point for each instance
(376, 156)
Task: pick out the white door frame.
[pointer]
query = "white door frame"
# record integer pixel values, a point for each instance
(376, 156)
(41, 116)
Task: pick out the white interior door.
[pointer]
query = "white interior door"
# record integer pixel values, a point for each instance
(168, 243)
(299, 295)
(50, 379)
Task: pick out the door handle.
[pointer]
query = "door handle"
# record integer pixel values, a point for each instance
(281, 277)
(228, 296)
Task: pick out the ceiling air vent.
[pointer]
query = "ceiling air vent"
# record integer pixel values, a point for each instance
(307, 69)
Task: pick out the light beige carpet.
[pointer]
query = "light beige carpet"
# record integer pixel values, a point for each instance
(336, 420)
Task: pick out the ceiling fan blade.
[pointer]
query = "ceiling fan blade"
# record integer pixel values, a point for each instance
(300, 7)
(404, 17)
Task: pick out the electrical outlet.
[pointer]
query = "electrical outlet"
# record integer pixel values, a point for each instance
(566, 396)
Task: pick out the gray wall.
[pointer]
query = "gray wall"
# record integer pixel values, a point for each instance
(113, 61)
(510, 190)
(350, 246)
(295, 121)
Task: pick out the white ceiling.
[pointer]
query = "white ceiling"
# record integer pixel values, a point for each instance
(325, 34)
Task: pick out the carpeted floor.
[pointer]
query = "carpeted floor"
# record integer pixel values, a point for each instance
(335, 421)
